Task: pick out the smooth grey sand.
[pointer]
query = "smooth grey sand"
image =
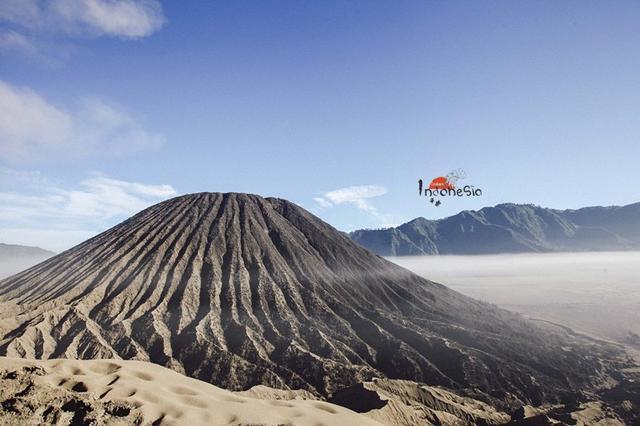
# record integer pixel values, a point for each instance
(595, 292)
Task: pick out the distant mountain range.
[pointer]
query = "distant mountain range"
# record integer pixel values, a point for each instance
(14, 250)
(510, 228)
(15, 258)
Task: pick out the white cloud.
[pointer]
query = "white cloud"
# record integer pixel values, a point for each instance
(356, 195)
(11, 40)
(31, 128)
(360, 197)
(93, 205)
(322, 202)
(117, 18)
(29, 178)
(105, 198)
(25, 12)
(51, 52)
(97, 198)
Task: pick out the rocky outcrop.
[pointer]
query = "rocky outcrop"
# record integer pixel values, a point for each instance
(403, 402)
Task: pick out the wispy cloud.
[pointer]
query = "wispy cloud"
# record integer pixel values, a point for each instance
(51, 52)
(32, 128)
(360, 197)
(45, 30)
(357, 195)
(97, 197)
(69, 214)
(89, 18)
(11, 40)
(322, 202)
(22, 178)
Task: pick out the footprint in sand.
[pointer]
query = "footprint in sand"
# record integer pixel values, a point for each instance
(325, 407)
(181, 390)
(281, 404)
(75, 386)
(194, 402)
(104, 367)
(233, 399)
(113, 380)
(143, 376)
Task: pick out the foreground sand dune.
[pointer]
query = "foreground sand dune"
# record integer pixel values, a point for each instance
(113, 391)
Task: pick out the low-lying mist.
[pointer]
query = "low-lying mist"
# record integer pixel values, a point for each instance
(596, 293)
(12, 265)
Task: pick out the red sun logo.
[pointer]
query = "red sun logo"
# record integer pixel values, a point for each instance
(441, 182)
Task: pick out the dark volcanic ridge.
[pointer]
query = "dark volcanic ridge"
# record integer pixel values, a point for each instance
(510, 228)
(239, 290)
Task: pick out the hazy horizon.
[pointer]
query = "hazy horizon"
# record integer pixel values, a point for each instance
(597, 293)
(20, 237)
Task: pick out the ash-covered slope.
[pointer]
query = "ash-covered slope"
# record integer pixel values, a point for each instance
(239, 290)
(510, 228)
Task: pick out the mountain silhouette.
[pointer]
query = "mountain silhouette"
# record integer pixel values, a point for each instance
(510, 228)
(15, 258)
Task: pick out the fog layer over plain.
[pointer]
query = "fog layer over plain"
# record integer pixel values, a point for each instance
(10, 266)
(597, 292)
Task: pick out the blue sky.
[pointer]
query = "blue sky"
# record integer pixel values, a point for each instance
(109, 106)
